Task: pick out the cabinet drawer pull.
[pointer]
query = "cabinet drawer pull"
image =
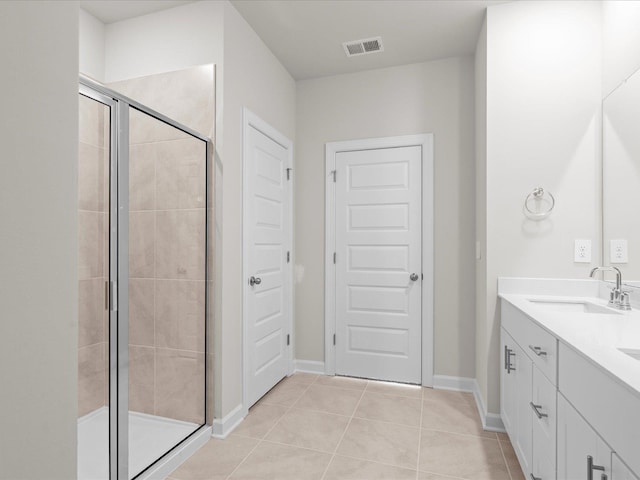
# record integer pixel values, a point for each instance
(535, 409)
(591, 467)
(510, 367)
(538, 351)
(534, 477)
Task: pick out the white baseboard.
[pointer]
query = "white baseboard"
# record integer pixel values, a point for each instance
(222, 427)
(460, 384)
(310, 366)
(177, 457)
(490, 421)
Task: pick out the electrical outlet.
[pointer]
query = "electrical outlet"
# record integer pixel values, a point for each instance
(618, 252)
(582, 251)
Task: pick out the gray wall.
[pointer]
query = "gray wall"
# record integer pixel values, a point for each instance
(38, 243)
(434, 97)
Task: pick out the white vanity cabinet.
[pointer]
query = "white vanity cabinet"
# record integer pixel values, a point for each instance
(577, 443)
(528, 395)
(619, 471)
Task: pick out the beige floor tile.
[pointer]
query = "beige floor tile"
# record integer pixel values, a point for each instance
(342, 382)
(448, 396)
(315, 430)
(390, 408)
(261, 419)
(390, 388)
(453, 417)
(503, 437)
(463, 456)
(322, 398)
(512, 460)
(382, 442)
(302, 377)
(216, 459)
(434, 476)
(271, 461)
(285, 393)
(346, 468)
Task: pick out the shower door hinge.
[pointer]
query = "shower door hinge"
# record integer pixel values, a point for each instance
(288, 257)
(333, 172)
(288, 339)
(334, 339)
(334, 257)
(288, 173)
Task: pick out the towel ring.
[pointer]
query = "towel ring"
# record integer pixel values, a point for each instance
(537, 195)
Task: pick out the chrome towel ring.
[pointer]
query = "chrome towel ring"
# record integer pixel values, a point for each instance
(537, 197)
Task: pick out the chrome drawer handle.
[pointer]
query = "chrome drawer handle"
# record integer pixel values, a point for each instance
(591, 467)
(534, 478)
(537, 350)
(508, 354)
(535, 409)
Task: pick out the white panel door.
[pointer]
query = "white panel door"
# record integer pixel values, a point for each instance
(268, 289)
(378, 248)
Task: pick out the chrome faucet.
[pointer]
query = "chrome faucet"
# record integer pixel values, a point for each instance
(617, 298)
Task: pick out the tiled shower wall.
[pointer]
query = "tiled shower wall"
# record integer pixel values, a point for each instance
(166, 271)
(167, 232)
(93, 194)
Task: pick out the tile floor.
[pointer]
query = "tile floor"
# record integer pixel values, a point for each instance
(317, 427)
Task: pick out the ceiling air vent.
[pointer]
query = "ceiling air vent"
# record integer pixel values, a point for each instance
(362, 47)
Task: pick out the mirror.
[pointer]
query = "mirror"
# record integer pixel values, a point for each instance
(621, 179)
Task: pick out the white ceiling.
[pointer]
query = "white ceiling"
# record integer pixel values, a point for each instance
(307, 36)
(110, 11)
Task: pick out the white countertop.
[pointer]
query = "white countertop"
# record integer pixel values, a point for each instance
(595, 336)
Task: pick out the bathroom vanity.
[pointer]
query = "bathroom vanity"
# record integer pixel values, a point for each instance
(570, 380)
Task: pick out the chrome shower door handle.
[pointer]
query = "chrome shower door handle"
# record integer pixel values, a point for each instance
(414, 277)
(255, 281)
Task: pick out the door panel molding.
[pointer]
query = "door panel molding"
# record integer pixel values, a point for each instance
(252, 121)
(425, 141)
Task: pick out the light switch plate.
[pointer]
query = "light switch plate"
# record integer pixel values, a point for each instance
(582, 251)
(618, 252)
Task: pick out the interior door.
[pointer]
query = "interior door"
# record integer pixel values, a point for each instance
(378, 264)
(268, 289)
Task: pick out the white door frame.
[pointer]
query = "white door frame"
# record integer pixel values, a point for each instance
(425, 141)
(250, 119)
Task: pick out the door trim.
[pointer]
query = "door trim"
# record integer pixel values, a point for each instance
(250, 119)
(425, 141)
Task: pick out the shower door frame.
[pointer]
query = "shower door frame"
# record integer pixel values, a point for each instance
(118, 285)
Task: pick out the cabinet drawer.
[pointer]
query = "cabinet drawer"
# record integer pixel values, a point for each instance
(542, 347)
(537, 343)
(619, 471)
(544, 414)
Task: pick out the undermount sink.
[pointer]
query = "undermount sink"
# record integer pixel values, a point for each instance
(635, 354)
(572, 307)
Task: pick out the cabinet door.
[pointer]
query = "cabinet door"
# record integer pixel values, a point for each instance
(620, 471)
(507, 385)
(524, 435)
(543, 455)
(576, 441)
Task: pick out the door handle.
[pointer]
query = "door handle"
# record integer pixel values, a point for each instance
(414, 277)
(536, 408)
(255, 281)
(538, 350)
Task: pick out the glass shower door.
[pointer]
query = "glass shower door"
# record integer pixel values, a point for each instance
(166, 287)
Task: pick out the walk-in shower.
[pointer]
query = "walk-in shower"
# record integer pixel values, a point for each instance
(143, 216)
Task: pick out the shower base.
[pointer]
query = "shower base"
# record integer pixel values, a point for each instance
(150, 437)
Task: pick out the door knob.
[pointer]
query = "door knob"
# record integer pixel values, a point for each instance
(414, 277)
(255, 281)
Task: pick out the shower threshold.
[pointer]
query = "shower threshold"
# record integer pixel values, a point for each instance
(150, 436)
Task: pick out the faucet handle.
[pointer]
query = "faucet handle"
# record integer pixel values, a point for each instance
(625, 301)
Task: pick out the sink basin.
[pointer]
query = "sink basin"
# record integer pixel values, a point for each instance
(635, 354)
(572, 307)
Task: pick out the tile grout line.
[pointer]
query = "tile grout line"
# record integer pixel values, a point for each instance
(324, 474)
(420, 434)
(262, 439)
(504, 459)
